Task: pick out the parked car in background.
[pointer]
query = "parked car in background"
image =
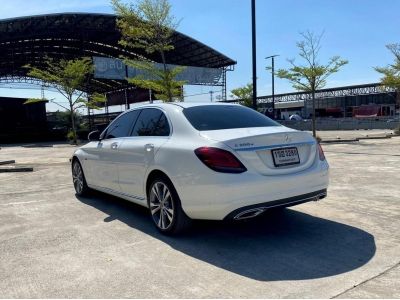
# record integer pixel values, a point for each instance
(295, 117)
(189, 161)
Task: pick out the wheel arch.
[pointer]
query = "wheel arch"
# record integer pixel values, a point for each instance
(153, 175)
(74, 158)
(78, 155)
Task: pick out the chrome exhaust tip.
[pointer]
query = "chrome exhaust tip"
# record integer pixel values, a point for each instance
(251, 213)
(320, 197)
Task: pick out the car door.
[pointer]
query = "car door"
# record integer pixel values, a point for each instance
(103, 158)
(151, 131)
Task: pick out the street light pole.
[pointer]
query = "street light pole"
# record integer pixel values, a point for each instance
(273, 82)
(211, 95)
(253, 38)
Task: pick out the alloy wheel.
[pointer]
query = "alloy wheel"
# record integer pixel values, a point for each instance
(77, 177)
(161, 205)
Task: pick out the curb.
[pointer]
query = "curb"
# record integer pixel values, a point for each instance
(357, 139)
(7, 162)
(338, 141)
(15, 169)
(375, 138)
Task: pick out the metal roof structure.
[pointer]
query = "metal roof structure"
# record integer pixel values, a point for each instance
(352, 90)
(28, 40)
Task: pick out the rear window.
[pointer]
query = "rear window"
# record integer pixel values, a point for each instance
(216, 117)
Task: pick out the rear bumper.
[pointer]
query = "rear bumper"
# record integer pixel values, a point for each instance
(218, 196)
(256, 209)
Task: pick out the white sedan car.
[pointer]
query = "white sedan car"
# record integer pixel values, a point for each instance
(201, 161)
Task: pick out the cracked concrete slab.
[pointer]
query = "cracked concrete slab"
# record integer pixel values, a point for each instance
(377, 287)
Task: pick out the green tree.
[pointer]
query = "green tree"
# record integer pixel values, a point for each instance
(162, 81)
(245, 94)
(148, 25)
(68, 77)
(311, 75)
(391, 73)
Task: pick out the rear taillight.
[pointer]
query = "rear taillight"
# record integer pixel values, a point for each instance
(321, 152)
(220, 160)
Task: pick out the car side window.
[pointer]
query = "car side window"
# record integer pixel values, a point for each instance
(151, 122)
(122, 126)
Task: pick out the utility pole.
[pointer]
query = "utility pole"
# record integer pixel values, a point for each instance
(126, 100)
(211, 95)
(273, 82)
(254, 44)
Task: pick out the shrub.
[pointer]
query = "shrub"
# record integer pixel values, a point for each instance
(70, 135)
(397, 130)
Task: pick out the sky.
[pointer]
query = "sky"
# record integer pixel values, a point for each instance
(357, 30)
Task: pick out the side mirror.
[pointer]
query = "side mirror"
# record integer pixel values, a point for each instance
(94, 136)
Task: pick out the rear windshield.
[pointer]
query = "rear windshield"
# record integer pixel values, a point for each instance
(216, 117)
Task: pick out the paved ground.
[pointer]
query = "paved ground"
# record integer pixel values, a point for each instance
(53, 244)
(353, 134)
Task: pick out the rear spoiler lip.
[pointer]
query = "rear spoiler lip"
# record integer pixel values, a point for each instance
(276, 146)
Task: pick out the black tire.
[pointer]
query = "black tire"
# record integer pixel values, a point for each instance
(160, 211)
(78, 179)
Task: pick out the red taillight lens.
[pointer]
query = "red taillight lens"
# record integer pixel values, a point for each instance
(321, 152)
(220, 160)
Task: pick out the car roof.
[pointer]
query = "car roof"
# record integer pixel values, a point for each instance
(180, 104)
(193, 104)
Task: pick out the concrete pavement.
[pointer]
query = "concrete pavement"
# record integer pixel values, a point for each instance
(53, 244)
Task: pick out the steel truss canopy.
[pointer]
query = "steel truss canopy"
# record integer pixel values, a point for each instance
(28, 40)
(353, 90)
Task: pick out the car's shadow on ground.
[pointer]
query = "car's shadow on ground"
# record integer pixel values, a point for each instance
(286, 245)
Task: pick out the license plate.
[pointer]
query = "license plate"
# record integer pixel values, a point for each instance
(285, 157)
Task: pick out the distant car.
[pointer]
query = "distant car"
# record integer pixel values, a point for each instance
(295, 117)
(392, 121)
(201, 161)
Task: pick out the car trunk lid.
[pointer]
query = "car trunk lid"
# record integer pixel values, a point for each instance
(271, 150)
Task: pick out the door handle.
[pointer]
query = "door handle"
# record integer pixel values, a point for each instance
(114, 146)
(149, 147)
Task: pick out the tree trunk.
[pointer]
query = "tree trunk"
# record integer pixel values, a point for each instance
(71, 111)
(313, 112)
(167, 83)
